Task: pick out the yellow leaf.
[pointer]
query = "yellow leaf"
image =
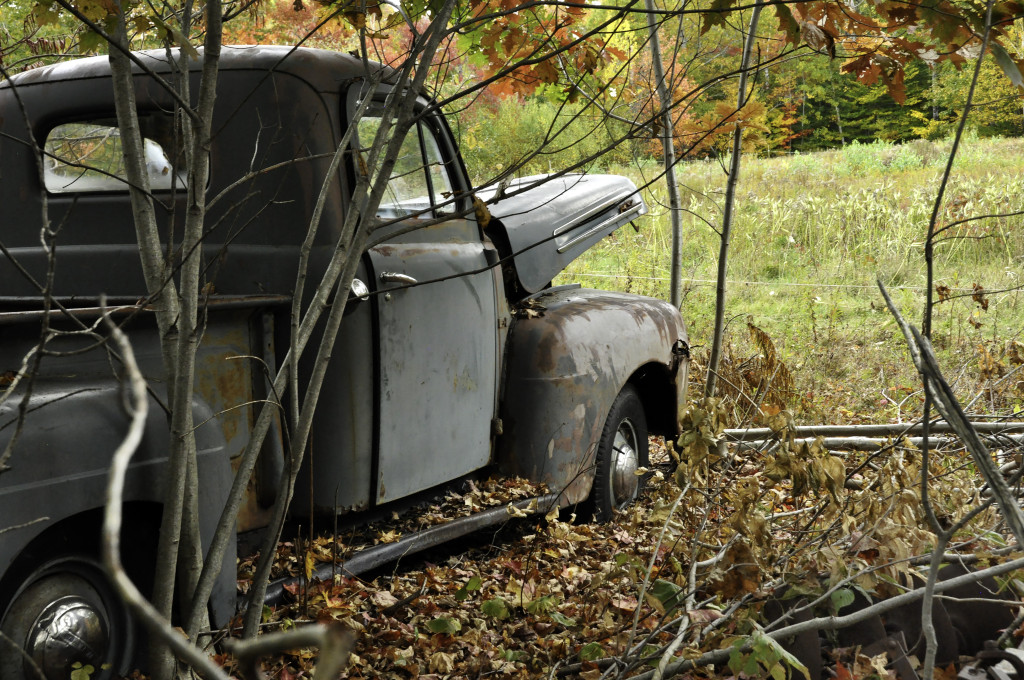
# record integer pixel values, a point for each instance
(513, 511)
(483, 215)
(310, 564)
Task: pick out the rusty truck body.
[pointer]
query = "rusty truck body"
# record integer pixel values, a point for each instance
(435, 376)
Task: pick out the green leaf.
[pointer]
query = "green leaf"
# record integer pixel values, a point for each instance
(444, 624)
(496, 609)
(46, 13)
(769, 648)
(796, 591)
(542, 605)
(471, 586)
(666, 595)
(80, 672)
(592, 651)
(177, 37)
(843, 597)
(561, 618)
(90, 42)
(737, 659)
(1007, 63)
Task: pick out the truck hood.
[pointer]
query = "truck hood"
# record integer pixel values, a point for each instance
(551, 224)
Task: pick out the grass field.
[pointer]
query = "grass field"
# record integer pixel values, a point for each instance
(811, 234)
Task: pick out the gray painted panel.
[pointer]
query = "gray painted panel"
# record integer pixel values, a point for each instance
(437, 364)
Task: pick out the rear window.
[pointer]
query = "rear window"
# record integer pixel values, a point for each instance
(85, 156)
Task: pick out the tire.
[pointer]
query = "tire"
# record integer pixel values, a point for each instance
(623, 449)
(65, 612)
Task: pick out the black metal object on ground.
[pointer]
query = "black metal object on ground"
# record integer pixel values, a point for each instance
(379, 555)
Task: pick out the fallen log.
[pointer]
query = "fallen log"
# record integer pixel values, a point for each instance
(863, 431)
(862, 443)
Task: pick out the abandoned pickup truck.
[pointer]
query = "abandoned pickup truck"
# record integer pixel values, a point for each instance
(456, 356)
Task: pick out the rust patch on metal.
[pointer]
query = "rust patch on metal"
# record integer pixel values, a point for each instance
(250, 514)
(225, 383)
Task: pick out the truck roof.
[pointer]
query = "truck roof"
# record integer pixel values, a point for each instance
(326, 71)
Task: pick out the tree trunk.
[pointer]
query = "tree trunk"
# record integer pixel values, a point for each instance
(668, 152)
(730, 200)
(176, 312)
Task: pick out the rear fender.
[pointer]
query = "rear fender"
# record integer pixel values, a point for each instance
(570, 351)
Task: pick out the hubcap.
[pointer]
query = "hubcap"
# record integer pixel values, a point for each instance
(625, 463)
(69, 630)
(66, 614)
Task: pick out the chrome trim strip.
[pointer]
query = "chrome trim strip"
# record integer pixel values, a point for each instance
(590, 232)
(568, 226)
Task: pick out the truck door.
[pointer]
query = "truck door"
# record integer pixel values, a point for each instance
(436, 320)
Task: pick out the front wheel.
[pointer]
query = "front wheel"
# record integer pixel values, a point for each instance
(65, 613)
(621, 452)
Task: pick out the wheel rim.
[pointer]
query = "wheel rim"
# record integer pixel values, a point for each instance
(65, 614)
(625, 463)
(69, 630)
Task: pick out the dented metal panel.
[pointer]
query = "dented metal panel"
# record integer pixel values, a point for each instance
(438, 362)
(567, 361)
(76, 418)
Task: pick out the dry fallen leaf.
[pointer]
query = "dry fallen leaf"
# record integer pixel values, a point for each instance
(383, 599)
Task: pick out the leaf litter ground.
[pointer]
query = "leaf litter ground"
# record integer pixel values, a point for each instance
(695, 558)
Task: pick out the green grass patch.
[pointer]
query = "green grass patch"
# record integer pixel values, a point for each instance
(811, 234)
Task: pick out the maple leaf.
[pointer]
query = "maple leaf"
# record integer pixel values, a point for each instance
(545, 72)
(715, 15)
(389, 537)
(787, 22)
(818, 39)
(979, 296)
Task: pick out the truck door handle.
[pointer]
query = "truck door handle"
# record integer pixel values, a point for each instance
(395, 277)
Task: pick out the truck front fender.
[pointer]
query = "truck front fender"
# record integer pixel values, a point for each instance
(570, 352)
(59, 465)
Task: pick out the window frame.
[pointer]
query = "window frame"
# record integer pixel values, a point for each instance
(118, 185)
(429, 118)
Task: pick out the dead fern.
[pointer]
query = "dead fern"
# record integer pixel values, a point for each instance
(767, 372)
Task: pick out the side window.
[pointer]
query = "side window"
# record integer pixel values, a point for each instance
(86, 156)
(437, 172)
(419, 183)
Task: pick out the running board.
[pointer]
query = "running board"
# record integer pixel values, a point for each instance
(385, 553)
